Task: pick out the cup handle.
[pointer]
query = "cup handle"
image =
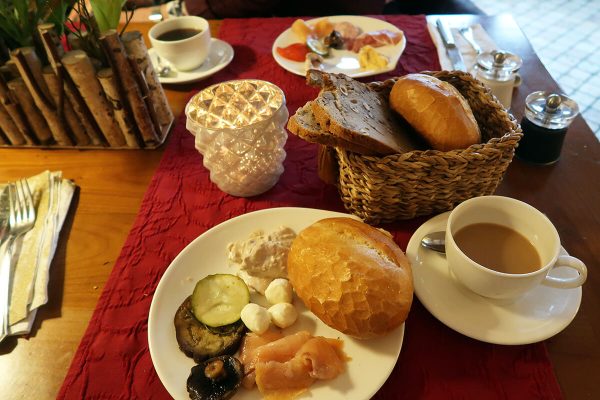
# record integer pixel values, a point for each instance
(567, 283)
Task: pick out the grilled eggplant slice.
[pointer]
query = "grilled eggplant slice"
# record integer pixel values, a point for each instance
(200, 341)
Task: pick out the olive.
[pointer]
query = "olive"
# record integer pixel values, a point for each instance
(334, 40)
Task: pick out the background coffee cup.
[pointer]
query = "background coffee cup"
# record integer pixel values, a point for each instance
(185, 54)
(527, 221)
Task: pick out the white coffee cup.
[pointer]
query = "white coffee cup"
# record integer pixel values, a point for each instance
(185, 54)
(527, 221)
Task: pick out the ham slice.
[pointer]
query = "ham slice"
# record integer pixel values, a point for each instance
(286, 367)
(375, 39)
(347, 30)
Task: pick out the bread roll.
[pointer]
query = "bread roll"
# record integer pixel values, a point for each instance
(437, 111)
(352, 276)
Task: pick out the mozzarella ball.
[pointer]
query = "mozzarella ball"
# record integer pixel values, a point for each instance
(256, 318)
(283, 314)
(279, 291)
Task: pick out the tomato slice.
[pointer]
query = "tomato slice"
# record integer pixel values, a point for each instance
(294, 52)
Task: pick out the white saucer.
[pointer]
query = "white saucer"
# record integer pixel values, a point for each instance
(220, 55)
(538, 315)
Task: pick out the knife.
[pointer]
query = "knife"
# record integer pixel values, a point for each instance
(450, 45)
(3, 213)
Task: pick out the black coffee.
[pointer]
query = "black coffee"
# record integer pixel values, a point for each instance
(178, 34)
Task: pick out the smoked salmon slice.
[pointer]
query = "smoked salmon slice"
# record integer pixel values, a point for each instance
(251, 343)
(286, 367)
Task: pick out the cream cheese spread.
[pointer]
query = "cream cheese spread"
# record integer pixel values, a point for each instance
(262, 257)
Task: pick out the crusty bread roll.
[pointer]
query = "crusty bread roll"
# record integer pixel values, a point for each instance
(437, 111)
(352, 276)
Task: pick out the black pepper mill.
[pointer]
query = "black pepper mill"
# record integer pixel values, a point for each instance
(547, 118)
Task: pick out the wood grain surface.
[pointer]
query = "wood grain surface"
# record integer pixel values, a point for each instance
(112, 183)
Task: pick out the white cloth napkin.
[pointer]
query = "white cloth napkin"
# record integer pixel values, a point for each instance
(469, 55)
(34, 251)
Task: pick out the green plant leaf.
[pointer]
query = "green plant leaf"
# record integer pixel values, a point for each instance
(55, 11)
(15, 23)
(107, 13)
(19, 19)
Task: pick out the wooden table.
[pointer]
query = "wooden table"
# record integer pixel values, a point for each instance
(112, 184)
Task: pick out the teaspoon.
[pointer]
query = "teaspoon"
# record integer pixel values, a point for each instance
(435, 241)
(163, 69)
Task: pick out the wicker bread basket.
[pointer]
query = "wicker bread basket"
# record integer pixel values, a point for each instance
(407, 185)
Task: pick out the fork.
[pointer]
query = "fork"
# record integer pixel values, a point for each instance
(467, 33)
(20, 220)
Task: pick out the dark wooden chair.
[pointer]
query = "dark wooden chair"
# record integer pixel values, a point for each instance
(432, 7)
(283, 8)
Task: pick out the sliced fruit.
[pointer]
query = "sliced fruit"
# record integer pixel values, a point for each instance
(218, 299)
(294, 52)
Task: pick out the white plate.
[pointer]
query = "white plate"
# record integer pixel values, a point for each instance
(343, 61)
(372, 360)
(220, 55)
(541, 313)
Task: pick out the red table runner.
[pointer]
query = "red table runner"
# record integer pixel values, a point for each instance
(113, 360)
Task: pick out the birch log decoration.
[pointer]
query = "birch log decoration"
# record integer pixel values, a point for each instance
(107, 81)
(51, 42)
(10, 130)
(40, 129)
(31, 71)
(10, 70)
(136, 48)
(55, 52)
(84, 114)
(123, 71)
(82, 72)
(74, 40)
(54, 87)
(141, 82)
(12, 107)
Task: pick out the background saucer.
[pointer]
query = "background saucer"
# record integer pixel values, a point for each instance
(220, 55)
(541, 313)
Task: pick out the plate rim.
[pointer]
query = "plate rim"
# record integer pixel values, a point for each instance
(223, 225)
(544, 333)
(198, 76)
(390, 67)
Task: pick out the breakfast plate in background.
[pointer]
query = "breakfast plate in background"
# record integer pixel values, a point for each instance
(539, 314)
(372, 361)
(220, 55)
(343, 61)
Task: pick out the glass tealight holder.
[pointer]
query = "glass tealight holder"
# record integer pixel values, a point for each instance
(239, 128)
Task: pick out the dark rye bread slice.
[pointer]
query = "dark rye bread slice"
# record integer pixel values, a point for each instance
(304, 125)
(360, 113)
